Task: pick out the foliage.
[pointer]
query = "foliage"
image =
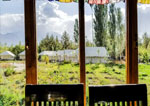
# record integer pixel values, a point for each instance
(49, 43)
(3, 47)
(9, 71)
(89, 44)
(96, 74)
(120, 35)
(112, 30)
(76, 31)
(45, 59)
(146, 40)
(100, 24)
(65, 40)
(17, 49)
(8, 98)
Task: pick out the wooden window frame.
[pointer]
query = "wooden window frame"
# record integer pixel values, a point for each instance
(131, 43)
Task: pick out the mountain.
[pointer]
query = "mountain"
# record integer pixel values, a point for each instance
(15, 38)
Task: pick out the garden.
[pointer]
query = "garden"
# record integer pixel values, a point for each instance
(12, 80)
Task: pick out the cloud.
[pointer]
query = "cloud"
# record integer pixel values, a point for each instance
(143, 19)
(59, 21)
(50, 19)
(11, 23)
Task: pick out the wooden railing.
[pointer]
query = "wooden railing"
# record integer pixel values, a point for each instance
(118, 95)
(54, 95)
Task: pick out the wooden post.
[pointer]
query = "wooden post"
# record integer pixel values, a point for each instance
(131, 42)
(30, 41)
(82, 47)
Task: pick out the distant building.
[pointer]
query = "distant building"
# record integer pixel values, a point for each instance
(96, 54)
(92, 54)
(22, 55)
(60, 55)
(67, 55)
(51, 54)
(73, 56)
(7, 55)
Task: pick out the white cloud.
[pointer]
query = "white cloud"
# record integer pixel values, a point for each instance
(11, 23)
(143, 19)
(50, 19)
(59, 21)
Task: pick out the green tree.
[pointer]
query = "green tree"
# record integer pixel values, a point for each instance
(49, 43)
(120, 34)
(45, 59)
(89, 44)
(17, 49)
(65, 40)
(3, 47)
(112, 30)
(146, 40)
(76, 31)
(100, 24)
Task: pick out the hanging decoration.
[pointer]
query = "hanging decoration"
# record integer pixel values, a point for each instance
(78, 1)
(114, 1)
(144, 1)
(98, 1)
(66, 1)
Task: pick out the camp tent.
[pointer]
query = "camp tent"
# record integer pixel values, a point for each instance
(7, 55)
(51, 54)
(96, 54)
(22, 55)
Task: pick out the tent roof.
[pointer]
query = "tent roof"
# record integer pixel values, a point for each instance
(48, 53)
(96, 52)
(22, 53)
(67, 52)
(6, 53)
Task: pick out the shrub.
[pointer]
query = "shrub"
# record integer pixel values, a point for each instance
(94, 66)
(7, 98)
(45, 59)
(9, 71)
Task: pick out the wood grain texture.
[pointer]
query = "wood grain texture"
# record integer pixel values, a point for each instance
(82, 46)
(30, 41)
(54, 93)
(131, 42)
(118, 93)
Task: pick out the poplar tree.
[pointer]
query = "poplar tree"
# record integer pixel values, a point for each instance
(100, 24)
(76, 31)
(65, 40)
(112, 30)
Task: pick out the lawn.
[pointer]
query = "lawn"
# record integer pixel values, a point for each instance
(12, 82)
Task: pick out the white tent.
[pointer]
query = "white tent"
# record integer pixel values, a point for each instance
(7, 55)
(51, 54)
(96, 54)
(67, 55)
(60, 55)
(22, 55)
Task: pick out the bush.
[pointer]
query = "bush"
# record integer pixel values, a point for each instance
(9, 71)
(7, 98)
(45, 59)
(94, 66)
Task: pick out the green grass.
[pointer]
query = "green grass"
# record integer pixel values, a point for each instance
(12, 87)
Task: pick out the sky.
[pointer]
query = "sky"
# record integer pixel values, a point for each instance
(54, 18)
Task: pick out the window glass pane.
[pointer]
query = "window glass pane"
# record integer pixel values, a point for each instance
(57, 49)
(12, 57)
(144, 45)
(105, 47)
